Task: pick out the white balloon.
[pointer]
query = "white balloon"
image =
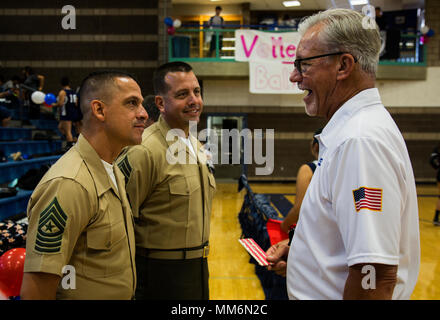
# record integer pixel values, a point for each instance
(177, 23)
(37, 97)
(425, 29)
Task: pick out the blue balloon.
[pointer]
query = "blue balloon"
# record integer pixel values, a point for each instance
(168, 21)
(430, 33)
(50, 98)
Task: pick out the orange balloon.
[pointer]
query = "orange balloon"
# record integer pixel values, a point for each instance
(11, 271)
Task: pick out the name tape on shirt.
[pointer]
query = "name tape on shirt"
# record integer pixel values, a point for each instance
(367, 198)
(255, 251)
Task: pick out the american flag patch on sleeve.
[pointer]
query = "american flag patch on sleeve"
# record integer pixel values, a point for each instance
(367, 198)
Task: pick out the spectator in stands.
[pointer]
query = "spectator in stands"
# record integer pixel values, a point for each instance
(32, 82)
(69, 110)
(303, 178)
(5, 116)
(359, 218)
(390, 37)
(79, 216)
(287, 21)
(2, 83)
(216, 22)
(151, 108)
(6, 85)
(10, 92)
(380, 20)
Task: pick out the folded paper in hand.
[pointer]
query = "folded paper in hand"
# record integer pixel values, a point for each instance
(255, 251)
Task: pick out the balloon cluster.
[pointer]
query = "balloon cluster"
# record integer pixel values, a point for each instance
(39, 97)
(172, 25)
(427, 33)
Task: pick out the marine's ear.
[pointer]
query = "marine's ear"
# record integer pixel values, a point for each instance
(160, 103)
(98, 109)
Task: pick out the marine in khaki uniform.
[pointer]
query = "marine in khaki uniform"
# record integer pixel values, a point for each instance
(171, 201)
(79, 214)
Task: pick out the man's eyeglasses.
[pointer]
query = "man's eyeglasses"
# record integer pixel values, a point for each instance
(302, 68)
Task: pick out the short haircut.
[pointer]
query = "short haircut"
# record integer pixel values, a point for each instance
(98, 85)
(160, 86)
(151, 108)
(218, 8)
(65, 81)
(344, 30)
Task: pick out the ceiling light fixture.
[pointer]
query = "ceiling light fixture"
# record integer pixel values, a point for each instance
(358, 2)
(291, 3)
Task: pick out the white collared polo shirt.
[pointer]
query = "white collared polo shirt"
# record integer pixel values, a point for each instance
(360, 207)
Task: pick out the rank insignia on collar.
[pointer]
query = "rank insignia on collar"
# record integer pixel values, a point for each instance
(50, 228)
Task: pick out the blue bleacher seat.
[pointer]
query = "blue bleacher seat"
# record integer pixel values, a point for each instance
(30, 147)
(19, 114)
(15, 169)
(20, 139)
(45, 124)
(14, 205)
(11, 134)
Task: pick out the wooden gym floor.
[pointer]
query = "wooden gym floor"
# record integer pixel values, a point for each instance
(232, 277)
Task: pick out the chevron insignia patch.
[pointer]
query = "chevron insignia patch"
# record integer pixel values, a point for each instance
(51, 228)
(125, 168)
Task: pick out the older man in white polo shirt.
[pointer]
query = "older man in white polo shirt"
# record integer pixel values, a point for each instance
(358, 232)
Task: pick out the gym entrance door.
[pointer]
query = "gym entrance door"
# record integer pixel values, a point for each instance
(227, 129)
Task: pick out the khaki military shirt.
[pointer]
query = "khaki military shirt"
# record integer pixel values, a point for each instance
(78, 218)
(171, 202)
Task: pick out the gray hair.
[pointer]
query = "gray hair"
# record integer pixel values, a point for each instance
(346, 30)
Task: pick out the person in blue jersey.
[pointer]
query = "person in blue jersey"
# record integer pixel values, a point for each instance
(70, 113)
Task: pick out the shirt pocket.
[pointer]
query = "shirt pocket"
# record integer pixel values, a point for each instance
(107, 253)
(181, 190)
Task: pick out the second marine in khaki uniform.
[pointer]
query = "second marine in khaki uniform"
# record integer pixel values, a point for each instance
(170, 189)
(171, 202)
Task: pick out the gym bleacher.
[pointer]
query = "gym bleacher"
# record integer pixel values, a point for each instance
(24, 145)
